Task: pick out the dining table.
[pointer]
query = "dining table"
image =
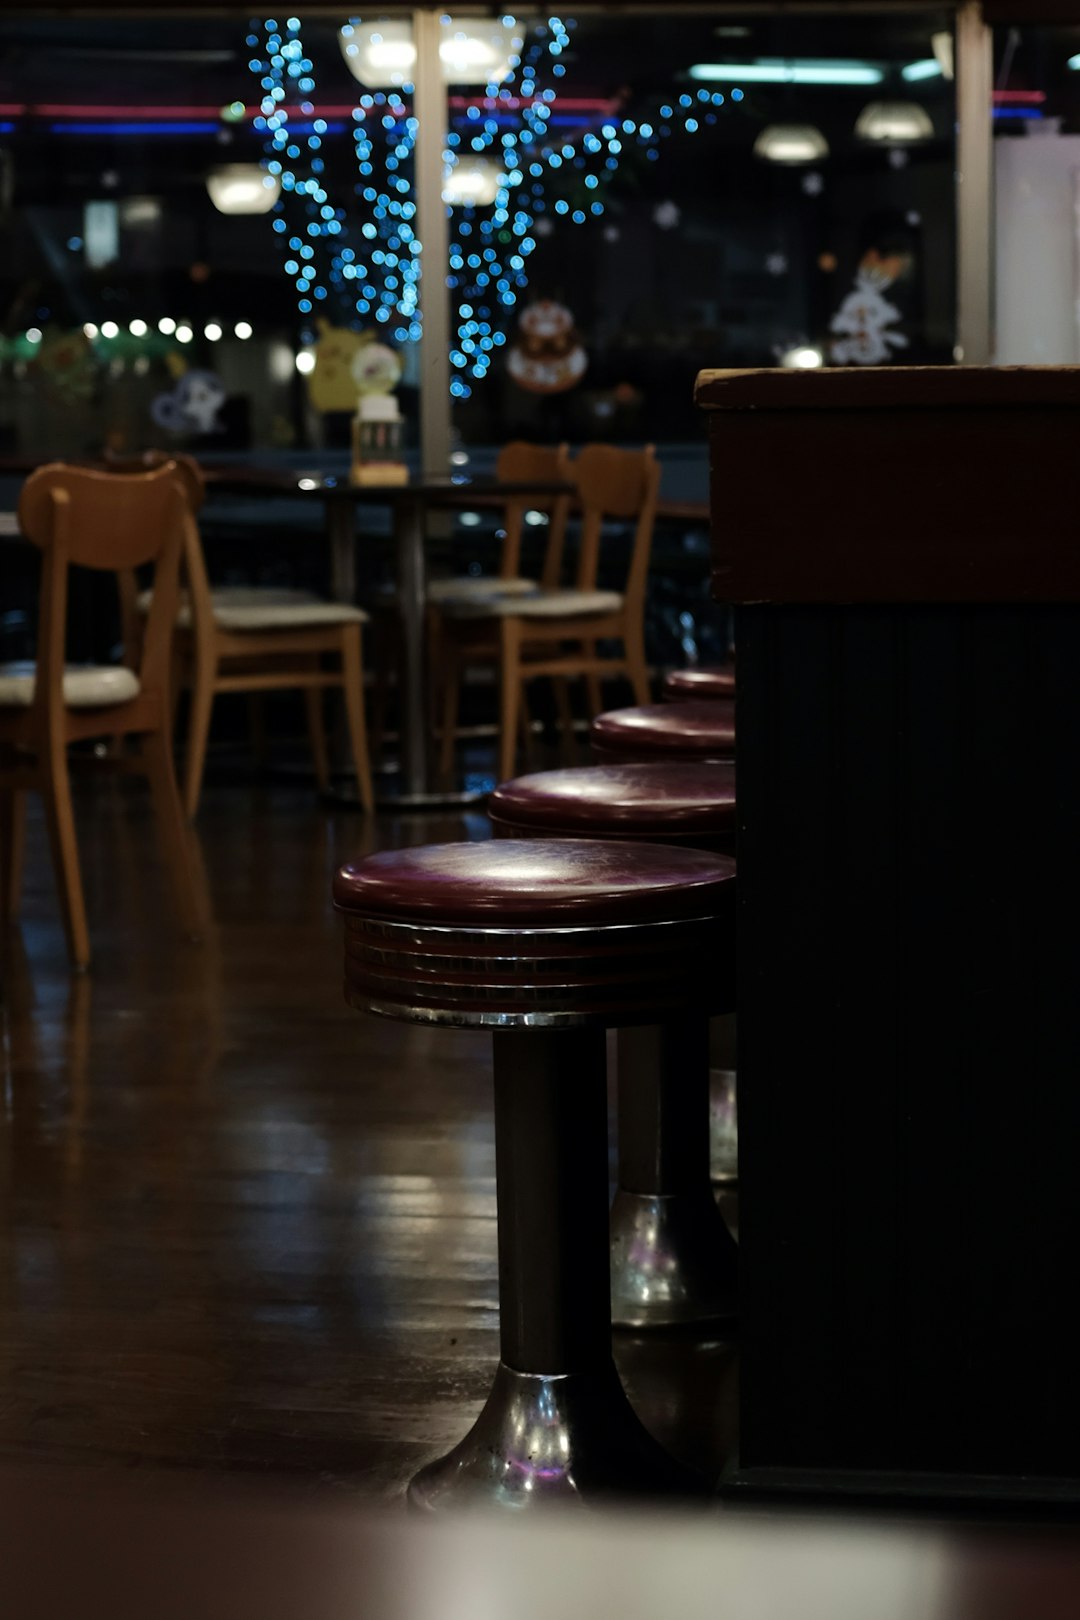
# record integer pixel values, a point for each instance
(410, 504)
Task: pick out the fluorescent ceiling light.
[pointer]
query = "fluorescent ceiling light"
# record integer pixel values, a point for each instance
(928, 68)
(1074, 63)
(765, 71)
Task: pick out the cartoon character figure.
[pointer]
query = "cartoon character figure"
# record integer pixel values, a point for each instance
(865, 317)
(331, 386)
(192, 406)
(548, 356)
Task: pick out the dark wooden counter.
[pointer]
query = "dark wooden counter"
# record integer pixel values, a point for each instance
(901, 549)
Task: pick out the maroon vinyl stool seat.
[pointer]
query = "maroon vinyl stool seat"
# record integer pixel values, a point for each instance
(673, 1260)
(702, 681)
(547, 943)
(699, 729)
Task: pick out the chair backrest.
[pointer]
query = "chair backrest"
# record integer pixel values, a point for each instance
(622, 484)
(193, 483)
(114, 523)
(520, 462)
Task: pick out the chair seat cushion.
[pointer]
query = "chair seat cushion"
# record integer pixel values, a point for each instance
(678, 801)
(524, 883)
(90, 686)
(700, 682)
(524, 933)
(702, 728)
(266, 607)
(478, 585)
(540, 604)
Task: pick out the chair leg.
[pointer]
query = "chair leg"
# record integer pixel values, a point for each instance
(313, 702)
(174, 832)
(352, 677)
(384, 652)
(60, 821)
(202, 702)
(510, 696)
(451, 698)
(12, 843)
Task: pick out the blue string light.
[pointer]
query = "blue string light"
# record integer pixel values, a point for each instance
(546, 164)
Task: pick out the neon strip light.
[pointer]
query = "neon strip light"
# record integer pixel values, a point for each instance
(1019, 96)
(131, 110)
(172, 126)
(1017, 112)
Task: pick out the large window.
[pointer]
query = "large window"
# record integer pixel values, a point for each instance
(767, 188)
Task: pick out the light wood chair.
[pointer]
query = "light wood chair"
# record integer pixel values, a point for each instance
(253, 639)
(100, 521)
(555, 632)
(517, 463)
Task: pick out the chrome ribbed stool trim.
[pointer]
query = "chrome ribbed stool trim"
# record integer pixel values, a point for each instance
(534, 978)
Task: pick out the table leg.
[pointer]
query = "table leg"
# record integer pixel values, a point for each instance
(341, 533)
(414, 720)
(412, 594)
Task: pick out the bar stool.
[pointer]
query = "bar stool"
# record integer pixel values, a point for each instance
(702, 681)
(673, 1260)
(547, 943)
(700, 729)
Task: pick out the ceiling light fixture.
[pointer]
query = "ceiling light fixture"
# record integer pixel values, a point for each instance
(894, 123)
(473, 182)
(766, 71)
(382, 55)
(242, 188)
(928, 67)
(791, 143)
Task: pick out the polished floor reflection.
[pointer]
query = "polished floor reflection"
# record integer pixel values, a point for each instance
(243, 1226)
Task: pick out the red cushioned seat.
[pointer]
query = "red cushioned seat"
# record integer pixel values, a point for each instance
(686, 802)
(700, 682)
(518, 932)
(700, 729)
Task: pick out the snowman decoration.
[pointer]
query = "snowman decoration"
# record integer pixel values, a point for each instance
(376, 432)
(864, 321)
(547, 357)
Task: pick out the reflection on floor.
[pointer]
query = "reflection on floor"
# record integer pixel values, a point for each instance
(243, 1226)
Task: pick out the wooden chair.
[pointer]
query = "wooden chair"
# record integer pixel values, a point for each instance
(250, 639)
(101, 521)
(552, 631)
(518, 462)
(521, 463)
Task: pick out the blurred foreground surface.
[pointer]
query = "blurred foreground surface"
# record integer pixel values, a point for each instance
(153, 1547)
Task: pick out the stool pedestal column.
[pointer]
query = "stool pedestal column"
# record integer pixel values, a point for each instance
(557, 1423)
(673, 1260)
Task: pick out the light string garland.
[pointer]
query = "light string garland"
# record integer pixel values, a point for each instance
(547, 164)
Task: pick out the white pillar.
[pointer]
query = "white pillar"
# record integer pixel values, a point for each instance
(974, 186)
(432, 114)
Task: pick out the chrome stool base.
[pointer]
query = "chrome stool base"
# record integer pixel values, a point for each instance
(550, 1440)
(723, 1128)
(672, 1260)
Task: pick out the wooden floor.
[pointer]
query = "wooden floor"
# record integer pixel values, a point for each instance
(243, 1226)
